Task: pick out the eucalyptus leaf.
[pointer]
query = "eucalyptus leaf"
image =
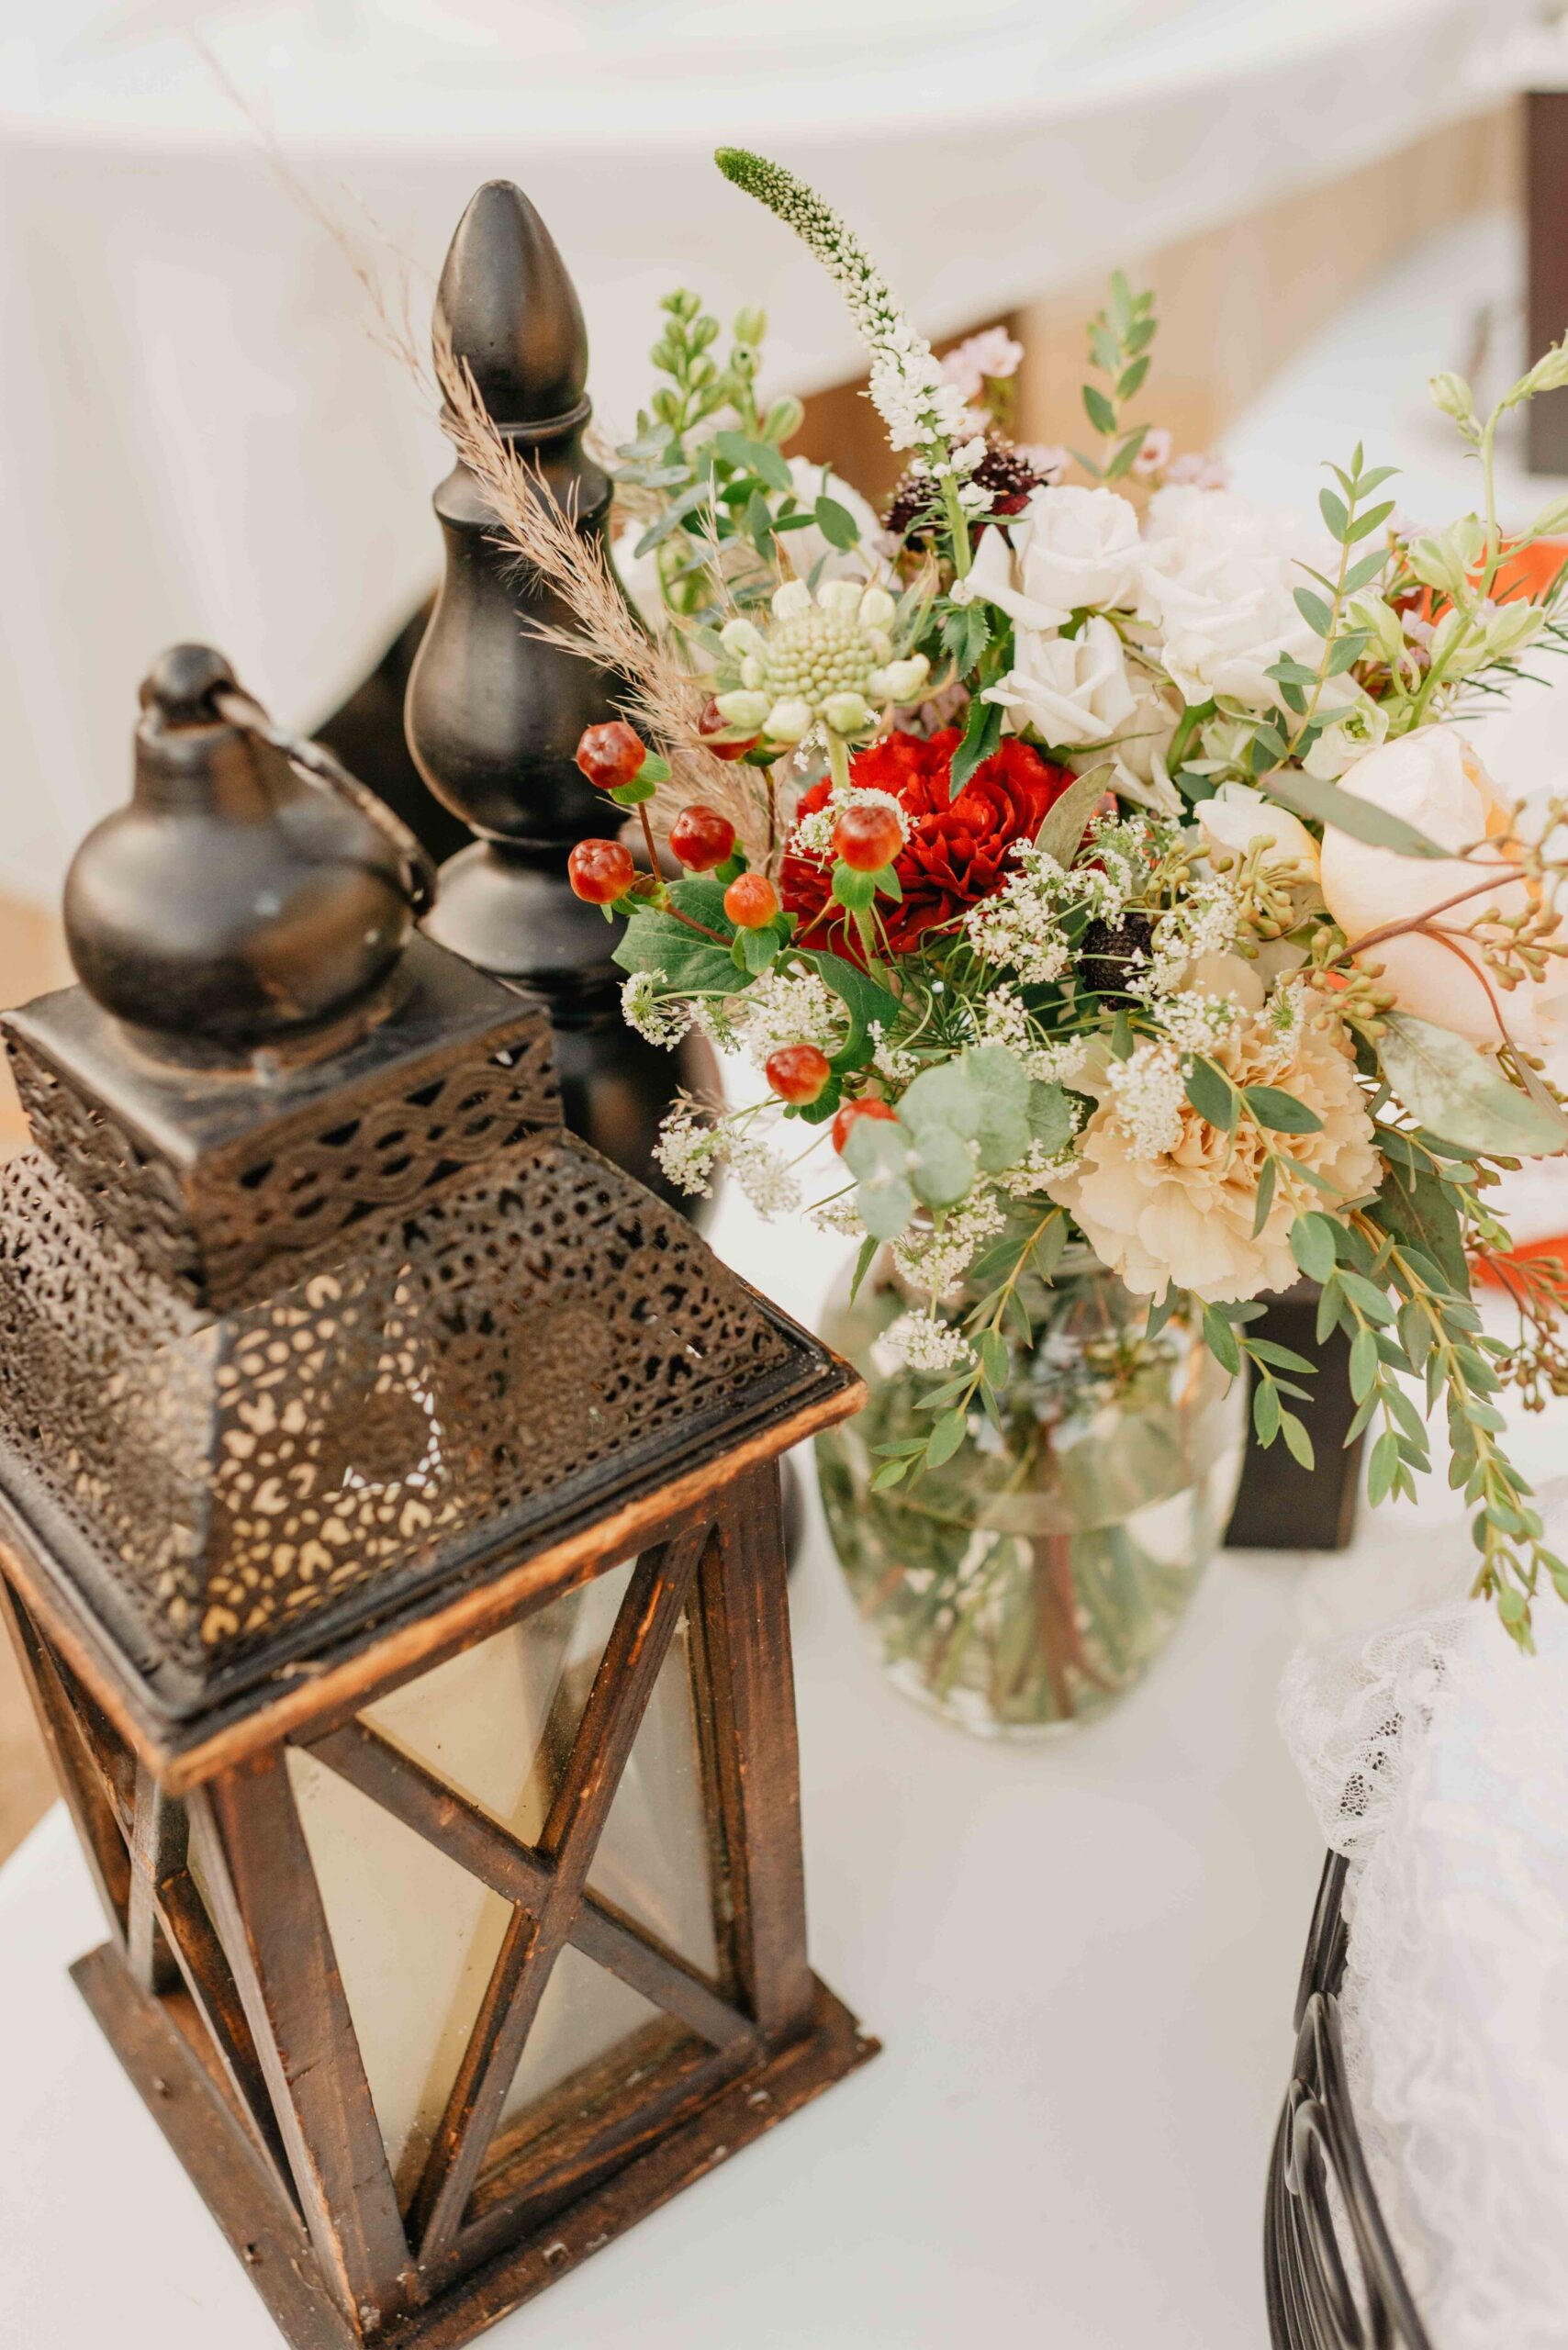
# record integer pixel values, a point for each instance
(941, 1166)
(836, 523)
(1211, 1095)
(1066, 822)
(1050, 1115)
(876, 1152)
(1327, 804)
(1461, 1093)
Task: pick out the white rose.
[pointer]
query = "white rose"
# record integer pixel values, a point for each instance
(1139, 770)
(1071, 689)
(1070, 549)
(1434, 780)
(1218, 581)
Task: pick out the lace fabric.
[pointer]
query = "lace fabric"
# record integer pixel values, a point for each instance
(1436, 1758)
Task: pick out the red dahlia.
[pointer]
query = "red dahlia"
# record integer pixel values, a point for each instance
(956, 852)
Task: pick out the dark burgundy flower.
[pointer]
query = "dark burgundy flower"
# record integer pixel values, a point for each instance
(1003, 470)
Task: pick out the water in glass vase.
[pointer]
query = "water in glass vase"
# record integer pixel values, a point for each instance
(1028, 1581)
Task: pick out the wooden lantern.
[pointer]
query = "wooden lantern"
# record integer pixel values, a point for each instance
(390, 1523)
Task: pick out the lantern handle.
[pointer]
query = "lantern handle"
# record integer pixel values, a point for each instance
(418, 874)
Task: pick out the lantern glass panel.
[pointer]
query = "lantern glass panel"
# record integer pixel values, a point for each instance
(415, 1938)
(652, 1863)
(497, 1722)
(585, 2014)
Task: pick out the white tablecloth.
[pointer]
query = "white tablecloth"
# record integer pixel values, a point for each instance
(198, 436)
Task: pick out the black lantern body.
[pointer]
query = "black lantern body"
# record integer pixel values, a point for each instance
(494, 715)
(389, 1524)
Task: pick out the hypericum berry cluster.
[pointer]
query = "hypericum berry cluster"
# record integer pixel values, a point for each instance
(826, 659)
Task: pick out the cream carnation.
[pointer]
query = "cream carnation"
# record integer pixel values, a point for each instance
(1184, 1213)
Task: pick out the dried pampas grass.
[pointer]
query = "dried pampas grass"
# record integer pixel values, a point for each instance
(658, 696)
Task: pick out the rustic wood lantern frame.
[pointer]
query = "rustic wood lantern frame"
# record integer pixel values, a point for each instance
(176, 1230)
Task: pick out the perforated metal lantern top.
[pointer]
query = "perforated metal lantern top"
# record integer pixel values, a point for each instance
(272, 1358)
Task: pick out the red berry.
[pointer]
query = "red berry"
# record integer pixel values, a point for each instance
(714, 721)
(867, 836)
(797, 1072)
(611, 755)
(845, 1118)
(701, 838)
(751, 901)
(600, 871)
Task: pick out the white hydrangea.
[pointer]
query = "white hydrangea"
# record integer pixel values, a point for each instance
(663, 1020)
(1147, 1090)
(922, 1342)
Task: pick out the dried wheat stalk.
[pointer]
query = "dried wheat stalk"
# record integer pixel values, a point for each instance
(658, 696)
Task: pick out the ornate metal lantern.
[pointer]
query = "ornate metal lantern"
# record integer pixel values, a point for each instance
(389, 1520)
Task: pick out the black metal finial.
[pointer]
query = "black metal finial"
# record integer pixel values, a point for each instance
(512, 313)
(235, 900)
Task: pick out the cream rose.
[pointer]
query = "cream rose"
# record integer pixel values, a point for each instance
(1434, 780)
(1071, 689)
(1162, 1196)
(1070, 549)
(1218, 580)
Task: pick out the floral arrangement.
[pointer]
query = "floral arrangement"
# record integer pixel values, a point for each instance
(1083, 867)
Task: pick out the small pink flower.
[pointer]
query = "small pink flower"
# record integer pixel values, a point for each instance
(1194, 471)
(1155, 453)
(993, 353)
(1046, 458)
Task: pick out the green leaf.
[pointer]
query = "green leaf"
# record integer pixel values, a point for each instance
(1002, 1135)
(1327, 804)
(755, 457)
(1265, 1198)
(941, 1169)
(944, 1096)
(946, 1438)
(1298, 1444)
(1266, 1411)
(1365, 525)
(759, 949)
(1381, 1468)
(862, 998)
(1317, 615)
(1361, 575)
(1221, 1340)
(993, 1356)
(1462, 1094)
(1334, 514)
(1211, 1095)
(692, 964)
(1312, 1246)
(1414, 1207)
(1345, 652)
(675, 513)
(1065, 824)
(1099, 410)
(865, 1258)
(889, 1475)
(836, 523)
(1127, 451)
(855, 890)
(1049, 1113)
(875, 1152)
(759, 523)
(1364, 1364)
(1372, 1300)
(1281, 1112)
(1130, 381)
(982, 732)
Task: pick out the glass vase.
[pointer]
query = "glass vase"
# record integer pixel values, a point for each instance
(1030, 1581)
